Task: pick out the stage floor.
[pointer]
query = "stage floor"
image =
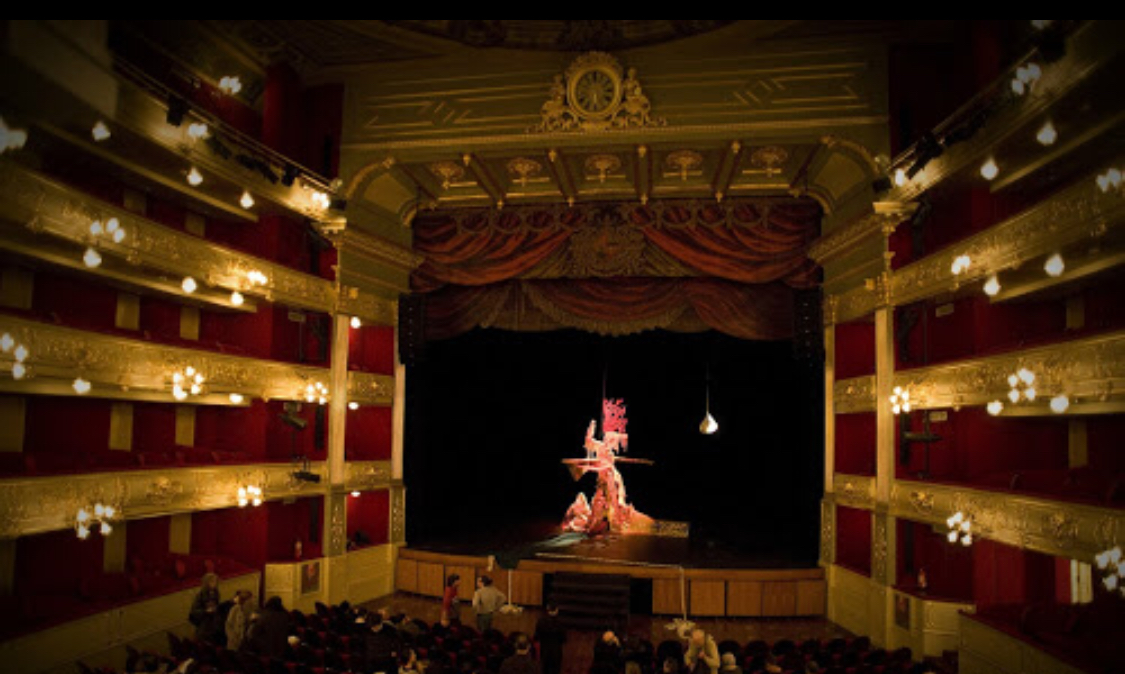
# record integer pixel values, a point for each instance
(540, 541)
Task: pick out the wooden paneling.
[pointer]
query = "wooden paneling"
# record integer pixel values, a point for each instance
(667, 597)
(811, 595)
(526, 588)
(468, 580)
(744, 598)
(406, 575)
(779, 599)
(431, 579)
(708, 597)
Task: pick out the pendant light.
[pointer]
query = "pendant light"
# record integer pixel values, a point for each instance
(708, 426)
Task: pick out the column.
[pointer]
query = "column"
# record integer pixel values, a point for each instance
(882, 523)
(398, 414)
(335, 497)
(828, 503)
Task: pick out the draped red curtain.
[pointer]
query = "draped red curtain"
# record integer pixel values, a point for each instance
(615, 269)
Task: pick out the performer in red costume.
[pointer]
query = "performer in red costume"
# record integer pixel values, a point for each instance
(609, 510)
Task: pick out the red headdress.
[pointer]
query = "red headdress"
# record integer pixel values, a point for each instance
(613, 416)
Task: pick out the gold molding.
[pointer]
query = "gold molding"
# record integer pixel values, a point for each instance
(129, 366)
(1079, 213)
(44, 206)
(374, 248)
(855, 491)
(167, 491)
(1088, 371)
(883, 219)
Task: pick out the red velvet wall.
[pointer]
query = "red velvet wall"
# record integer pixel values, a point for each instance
(232, 429)
(1003, 574)
(61, 425)
(1103, 442)
(146, 540)
(368, 434)
(55, 563)
(238, 533)
(370, 513)
(853, 539)
(279, 435)
(975, 446)
(282, 110)
(949, 567)
(371, 349)
(244, 334)
(288, 335)
(855, 443)
(325, 122)
(855, 350)
(74, 302)
(154, 427)
(289, 522)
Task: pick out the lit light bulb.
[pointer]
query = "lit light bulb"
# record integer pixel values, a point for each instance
(1115, 555)
(992, 286)
(323, 400)
(1030, 393)
(1026, 376)
(236, 398)
(230, 84)
(100, 131)
(119, 235)
(6, 342)
(99, 510)
(356, 323)
(198, 377)
(91, 258)
(194, 177)
(989, 170)
(995, 407)
(19, 370)
(353, 405)
(81, 386)
(96, 228)
(83, 515)
(1110, 582)
(197, 130)
(967, 540)
(110, 511)
(952, 537)
(961, 264)
(1018, 87)
(257, 502)
(195, 389)
(1047, 134)
(179, 393)
(236, 298)
(189, 370)
(246, 201)
(178, 378)
(106, 529)
(189, 285)
(1013, 380)
(355, 494)
(1060, 404)
(83, 532)
(708, 426)
(1054, 266)
(11, 139)
(21, 353)
(900, 177)
(1102, 559)
(112, 225)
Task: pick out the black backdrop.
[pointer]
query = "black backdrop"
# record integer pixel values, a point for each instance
(491, 413)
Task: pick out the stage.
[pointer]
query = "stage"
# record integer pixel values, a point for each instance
(682, 575)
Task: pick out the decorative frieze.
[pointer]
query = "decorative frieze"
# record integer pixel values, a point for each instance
(856, 491)
(44, 206)
(1090, 370)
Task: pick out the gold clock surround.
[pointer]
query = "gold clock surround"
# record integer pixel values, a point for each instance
(595, 93)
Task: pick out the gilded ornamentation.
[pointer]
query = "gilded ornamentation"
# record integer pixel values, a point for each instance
(367, 474)
(522, 170)
(595, 94)
(606, 249)
(61, 212)
(1087, 369)
(448, 172)
(884, 215)
(854, 490)
(602, 166)
(1062, 527)
(683, 162)
(769, 159)
(922, 501)
(879, 560)
(163, 490)
(338, 526)
(398, 515)
(827, 531)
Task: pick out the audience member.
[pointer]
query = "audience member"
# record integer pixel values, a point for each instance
(204, 613)
(521, 662)
(729, 666)
(238, 619)
(551, 636)
(487, 600)
(702, 655)
(381, 645)
(608, 651)
(269, 629)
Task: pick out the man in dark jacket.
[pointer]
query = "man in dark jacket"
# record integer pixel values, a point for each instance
(551, 636)
(381, 645)
(269, 631)
(521, 662)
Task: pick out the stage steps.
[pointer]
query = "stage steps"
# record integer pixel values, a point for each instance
(591, 601)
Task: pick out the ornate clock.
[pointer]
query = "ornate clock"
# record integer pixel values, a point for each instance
(596, 93)
(595, 90)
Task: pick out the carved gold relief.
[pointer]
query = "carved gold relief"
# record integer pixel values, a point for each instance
(523, 170)
(132, 365)
(879, 561)
(596, 93)
(49, 207)
(601, 166)
(884, 216)
(683, 162)
(398, 515)
(769, 159)
(827, 531)
(1087, 370)
(854, 490)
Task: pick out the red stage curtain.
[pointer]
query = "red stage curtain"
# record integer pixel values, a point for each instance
(750, 242)
(614, 306)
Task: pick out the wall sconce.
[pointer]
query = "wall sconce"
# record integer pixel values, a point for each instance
(960, 528)
(249, 495)
(94, 518)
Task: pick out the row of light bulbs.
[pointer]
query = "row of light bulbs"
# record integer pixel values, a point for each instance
(1053, 266)
(1021, 388)
(19, 352)
(960, 529)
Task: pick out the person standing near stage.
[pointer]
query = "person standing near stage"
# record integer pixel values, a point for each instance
(551, 636)
(449, 610)
(702, 656)
(487, 600)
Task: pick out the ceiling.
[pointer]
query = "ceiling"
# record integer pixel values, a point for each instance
(625, 172)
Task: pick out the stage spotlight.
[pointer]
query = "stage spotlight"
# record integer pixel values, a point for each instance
(289, 176)
(267, 171)
(928, 149)
(177, 109)
(216, 146)
(292, 420)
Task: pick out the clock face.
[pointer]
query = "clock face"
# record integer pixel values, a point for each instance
(595, 92)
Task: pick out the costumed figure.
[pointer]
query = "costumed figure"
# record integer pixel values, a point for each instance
(609, 510)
